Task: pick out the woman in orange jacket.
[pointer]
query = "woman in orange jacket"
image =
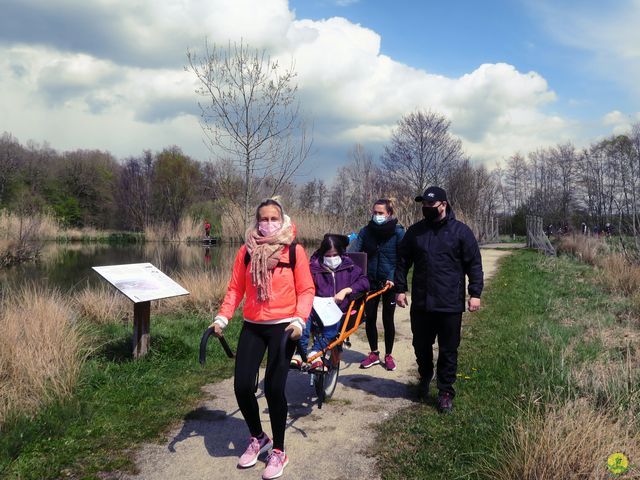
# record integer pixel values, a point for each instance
(278, 297)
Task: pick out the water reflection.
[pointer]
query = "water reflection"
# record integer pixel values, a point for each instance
(68, 266)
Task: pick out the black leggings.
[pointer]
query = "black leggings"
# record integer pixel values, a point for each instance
(254, 340)
(371, 313)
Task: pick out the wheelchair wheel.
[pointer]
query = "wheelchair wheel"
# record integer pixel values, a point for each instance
(326, 383)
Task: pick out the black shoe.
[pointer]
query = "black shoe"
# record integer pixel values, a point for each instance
(445, 402)
(423, 389)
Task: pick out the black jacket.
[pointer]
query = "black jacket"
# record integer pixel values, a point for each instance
(442, 254)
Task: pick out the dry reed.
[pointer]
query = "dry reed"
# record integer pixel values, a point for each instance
(587, 249)
(572, 441)
(206, 291)
(188, 229)
(102, 305)
(42, 350)
(620, 275)
(42, 226)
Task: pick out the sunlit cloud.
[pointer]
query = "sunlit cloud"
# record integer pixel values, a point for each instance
(116, 79)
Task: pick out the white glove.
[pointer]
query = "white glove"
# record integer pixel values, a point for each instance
(298, 324)
(221, 321)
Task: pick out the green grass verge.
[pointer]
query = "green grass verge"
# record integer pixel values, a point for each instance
(119, 402)
(509, 356)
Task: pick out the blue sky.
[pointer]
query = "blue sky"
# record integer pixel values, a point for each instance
(512, 76)
(453, 38)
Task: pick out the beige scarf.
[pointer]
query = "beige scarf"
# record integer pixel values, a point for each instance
(265, 254)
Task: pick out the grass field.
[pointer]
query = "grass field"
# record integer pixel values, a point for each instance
(118, 403)
(550, 360)
(528, 395)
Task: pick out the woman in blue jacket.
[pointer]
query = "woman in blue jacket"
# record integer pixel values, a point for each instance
(380, 239)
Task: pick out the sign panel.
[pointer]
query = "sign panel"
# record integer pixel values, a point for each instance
(141, 282)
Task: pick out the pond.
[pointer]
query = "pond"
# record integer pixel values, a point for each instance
(67, 266)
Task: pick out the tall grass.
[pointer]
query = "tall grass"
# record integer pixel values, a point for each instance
(14, 226)
(586, 249)
(312, 227)
(41, 350)
(620, 276)
(570, 441)
(21, 236)
(188, 229)
(102, 305)
(206, 291)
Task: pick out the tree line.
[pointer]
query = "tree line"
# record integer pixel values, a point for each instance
(595, 185)
(567, 186)
(259, 140)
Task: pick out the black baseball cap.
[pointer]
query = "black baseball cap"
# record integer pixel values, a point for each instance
(433, 194)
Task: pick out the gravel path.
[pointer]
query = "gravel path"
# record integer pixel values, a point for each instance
(326, 444)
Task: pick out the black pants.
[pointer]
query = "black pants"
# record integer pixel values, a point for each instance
(371, 313)
(254, 340)
(426, 326)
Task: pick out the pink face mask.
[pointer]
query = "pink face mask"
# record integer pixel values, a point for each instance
(269, 228)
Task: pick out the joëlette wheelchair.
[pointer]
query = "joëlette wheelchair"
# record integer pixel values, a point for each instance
(325, 380)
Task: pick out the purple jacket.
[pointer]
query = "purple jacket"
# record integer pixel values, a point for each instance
(328, 283)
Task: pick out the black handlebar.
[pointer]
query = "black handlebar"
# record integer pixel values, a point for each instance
(203, 345)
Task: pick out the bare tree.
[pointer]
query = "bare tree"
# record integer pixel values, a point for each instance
(422, 150)
(10, 152)
(134, 191)
(251, 113)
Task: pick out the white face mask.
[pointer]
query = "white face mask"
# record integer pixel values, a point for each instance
(269, 228)
(379, 219)
(332, 262)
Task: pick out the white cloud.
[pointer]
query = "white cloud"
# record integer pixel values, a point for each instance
(124, 88)
(607, 30)
(620, 123)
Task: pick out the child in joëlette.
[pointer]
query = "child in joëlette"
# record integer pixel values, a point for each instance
(334, 275)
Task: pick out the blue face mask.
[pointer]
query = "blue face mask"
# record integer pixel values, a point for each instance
(379, 219)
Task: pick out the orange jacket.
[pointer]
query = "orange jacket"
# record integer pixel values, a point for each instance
(292, 290)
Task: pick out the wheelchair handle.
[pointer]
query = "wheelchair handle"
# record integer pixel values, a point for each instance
(203, 345)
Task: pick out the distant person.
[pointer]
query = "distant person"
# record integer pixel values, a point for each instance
(278, 296)
(442, 251)
(380, 239)
(207, 229)
(584, 228)
(608, 229)
(334, 276)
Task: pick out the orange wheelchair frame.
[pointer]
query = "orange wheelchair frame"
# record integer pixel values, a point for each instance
(325, 380)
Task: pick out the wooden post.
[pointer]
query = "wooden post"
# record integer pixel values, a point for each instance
(141, 321)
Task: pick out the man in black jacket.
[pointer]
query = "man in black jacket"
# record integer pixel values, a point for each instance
(442, 251)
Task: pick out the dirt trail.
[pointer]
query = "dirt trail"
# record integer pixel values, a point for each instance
(327, 444)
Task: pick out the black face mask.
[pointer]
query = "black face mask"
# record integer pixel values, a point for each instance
(430, 213)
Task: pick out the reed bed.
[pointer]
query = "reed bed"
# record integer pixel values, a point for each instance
(42, 350)
(572, 441)
(585, 248)
(102, 305)
(206, 291)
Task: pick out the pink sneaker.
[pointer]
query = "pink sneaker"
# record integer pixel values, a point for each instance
(389, 363)
(371, 360)
(275, 465)
(254, 449)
